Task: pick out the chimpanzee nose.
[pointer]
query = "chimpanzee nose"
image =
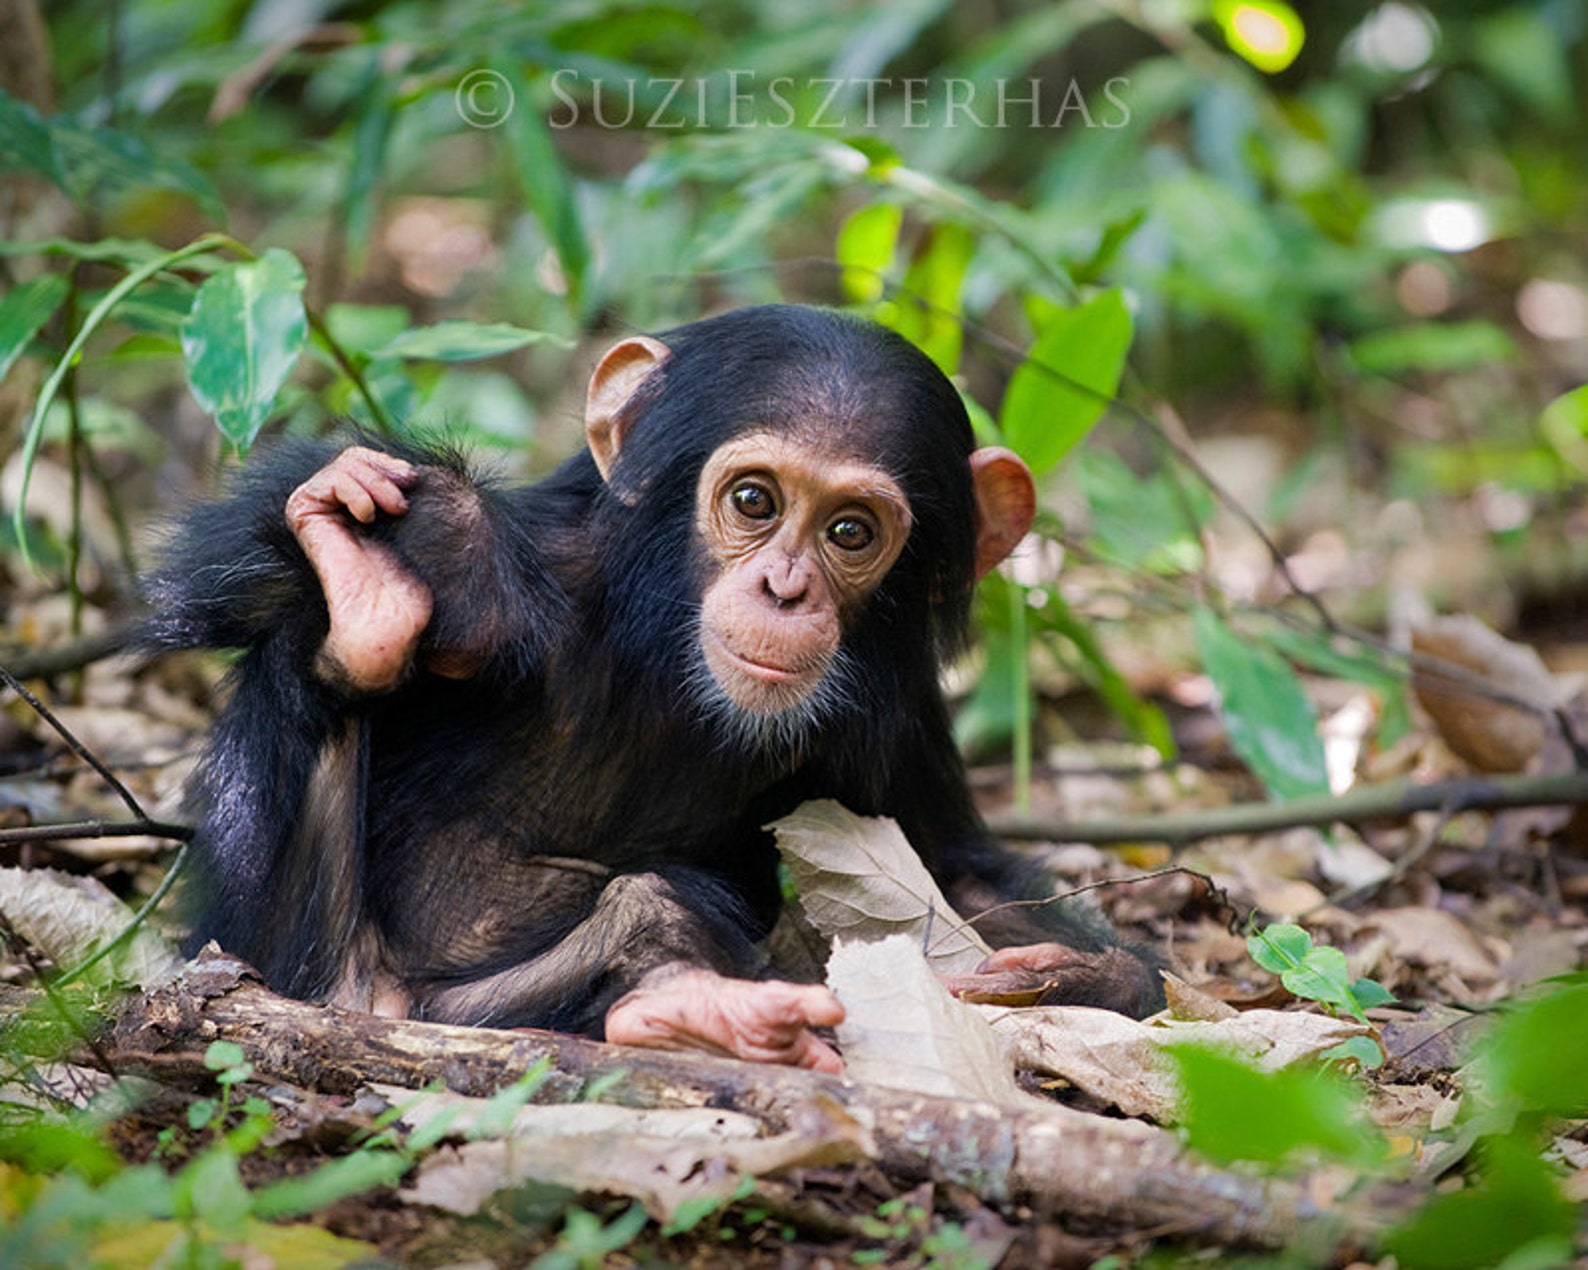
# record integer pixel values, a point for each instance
(786, 582)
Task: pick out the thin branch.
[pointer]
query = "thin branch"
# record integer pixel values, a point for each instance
(1373, 802)
(77, 747)
(96, 829)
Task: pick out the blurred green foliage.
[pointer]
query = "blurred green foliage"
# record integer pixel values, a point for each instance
(1332, 212)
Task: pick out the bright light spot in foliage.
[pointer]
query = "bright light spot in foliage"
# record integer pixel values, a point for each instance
(1451, 224)
(1394, 39)
(1267, 33)
(1445, 224)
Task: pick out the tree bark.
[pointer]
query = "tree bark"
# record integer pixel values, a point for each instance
(1118, 1174)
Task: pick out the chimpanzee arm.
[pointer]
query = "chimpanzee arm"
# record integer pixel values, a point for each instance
(1066, 944)
(236, 574)
(280, 792)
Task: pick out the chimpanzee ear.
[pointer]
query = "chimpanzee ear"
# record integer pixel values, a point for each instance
(1006, 504)
(612, 385)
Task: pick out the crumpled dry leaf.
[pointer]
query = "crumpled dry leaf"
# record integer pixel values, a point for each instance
(1436, 940)
(903, 1030)
(859, 879)
(1119, 1060)
(1491, 735)
(68, 918)
(1187, 1002)
(663, 1158)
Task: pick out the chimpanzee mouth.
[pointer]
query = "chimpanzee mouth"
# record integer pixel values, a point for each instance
(753, 707)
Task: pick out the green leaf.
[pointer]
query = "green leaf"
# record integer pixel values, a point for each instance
(1370, 992)
(1322, 976)
(371, 131)
(1279, 947)
(549, 191)
(459, 341)
(222, 1055)
(867, 241)
(1231, 1111)
(1149, 522)
(241, 340)
(1068, 380)
(332, 1181)
(91, 163)
(1364, 1051)
(1515, 1210)
(26, 309)
(927, 310)
(1271, 722)
(1534, 1058)
(495, 1119)
(1433, 346)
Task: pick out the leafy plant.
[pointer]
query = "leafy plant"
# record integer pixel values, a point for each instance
(1314, 972)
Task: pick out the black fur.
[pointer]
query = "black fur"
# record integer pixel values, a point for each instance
(482, 821)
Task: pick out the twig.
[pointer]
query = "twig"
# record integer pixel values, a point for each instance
(77, 747)
(96, 829)
(74, 654)
(1373, 802)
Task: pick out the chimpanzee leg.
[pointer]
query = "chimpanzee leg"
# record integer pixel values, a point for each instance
(651, 966)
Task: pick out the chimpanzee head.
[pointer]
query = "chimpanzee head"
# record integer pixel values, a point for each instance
(820, 476)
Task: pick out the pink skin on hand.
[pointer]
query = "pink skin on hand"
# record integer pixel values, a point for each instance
(687, 1008)
(378, 610)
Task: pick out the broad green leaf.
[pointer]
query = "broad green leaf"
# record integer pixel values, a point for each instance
(1433, 346)
(459, 341)
(549, 190)
(371, 131)
(1068, 380)
(241, 340)
(866, 242)
(1534, 1058)
(1564, 424)
(1148, 522)
(927, 309)
(1364, 1051)
(1279, 947)
(24, 311)
(1321, 976)
(1515, 1207)
(1370, 992)
(88, 163)
(1231, 1111)
(1271, 722)
(1145, 720)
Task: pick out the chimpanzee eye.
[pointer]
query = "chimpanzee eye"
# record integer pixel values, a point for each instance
(850, 533)
(753, 501)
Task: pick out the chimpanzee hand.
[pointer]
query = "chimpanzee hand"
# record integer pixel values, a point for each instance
(679, 1007)
(1053, 974)
(378, 609)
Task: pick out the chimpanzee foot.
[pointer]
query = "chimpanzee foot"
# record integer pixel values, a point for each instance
(687, 1008)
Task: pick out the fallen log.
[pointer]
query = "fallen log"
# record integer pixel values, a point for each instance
(1114, 1174)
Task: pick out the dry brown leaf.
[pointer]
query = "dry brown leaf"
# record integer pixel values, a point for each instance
(662, 1158)
(1491, 735)
(1119, 1060)
(1432, 938)
(1189, 1003)
(859, 879)
(902, 1029)
(68, 918)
